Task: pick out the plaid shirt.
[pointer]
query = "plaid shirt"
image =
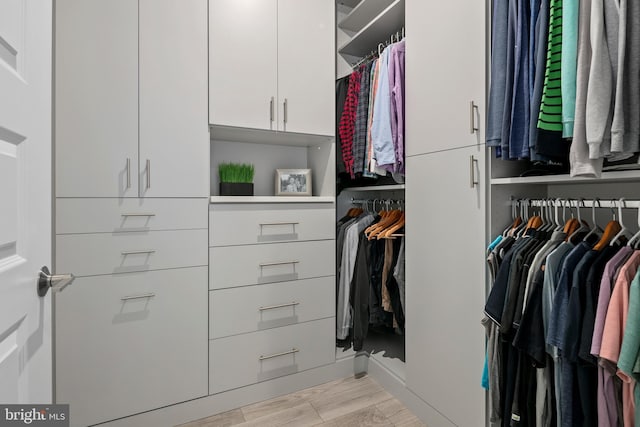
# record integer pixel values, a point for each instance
(348, 119)
(362, 116)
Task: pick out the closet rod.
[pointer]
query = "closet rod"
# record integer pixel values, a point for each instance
(389, 201)
(583, 203)
(397, 36)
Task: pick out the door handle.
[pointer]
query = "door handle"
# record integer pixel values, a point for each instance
(286, 112)
(47, 280)
(473, 162)
(472, 118)
(148, 174)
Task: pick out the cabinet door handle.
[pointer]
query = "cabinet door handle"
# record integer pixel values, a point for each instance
(269, 264)
(148, 174)
(141, 296)
(271, 356)
(264, 224)
(128, 173)
(271, 112)
(286, 111)
(472, 117)
(137, 214)
(272, 307)
(148, 251)
(472, 173)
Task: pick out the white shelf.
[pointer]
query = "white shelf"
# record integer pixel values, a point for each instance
(618, 176)
(269, 137)
(363, 13)
(270, 199)
(375, 188)
(377, 31)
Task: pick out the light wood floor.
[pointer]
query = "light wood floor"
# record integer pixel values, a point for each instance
(343, 403)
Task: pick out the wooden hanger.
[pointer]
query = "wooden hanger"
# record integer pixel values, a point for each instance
(386, 234)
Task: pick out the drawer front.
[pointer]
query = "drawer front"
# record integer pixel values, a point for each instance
(276, 262)
(254, 308)
(91, 215)
(259, 356)
(117, 356)
(265, 223)
(108, 253)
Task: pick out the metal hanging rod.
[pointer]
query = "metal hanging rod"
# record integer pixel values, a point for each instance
(579, 202)
(393, 38)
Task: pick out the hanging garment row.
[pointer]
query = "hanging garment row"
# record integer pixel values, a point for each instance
(370, 117)
(565, 83)
(563, 319)
(370, 276)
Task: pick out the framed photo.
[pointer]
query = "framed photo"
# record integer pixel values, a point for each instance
(293, 182)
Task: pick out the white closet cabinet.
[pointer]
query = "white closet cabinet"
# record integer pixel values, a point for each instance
(96, 98)
(446, 74)
(268, 66)
(445, 271)
(131, 98)
(174, 136)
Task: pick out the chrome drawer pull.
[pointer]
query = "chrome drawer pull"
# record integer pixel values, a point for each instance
(150, 251)
(269, 264)
(141, 296)
(264, 224)
(271, 307)
(271, 356)
(137, 214)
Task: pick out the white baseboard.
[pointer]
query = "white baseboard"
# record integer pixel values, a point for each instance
(210, 405)
(396, 386)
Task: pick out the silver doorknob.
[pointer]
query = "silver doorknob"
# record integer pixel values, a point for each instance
(47, 280)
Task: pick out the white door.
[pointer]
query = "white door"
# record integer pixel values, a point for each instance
(174, 132)
(306, 66)
(25, 200)
(445, 268)
(243, 72)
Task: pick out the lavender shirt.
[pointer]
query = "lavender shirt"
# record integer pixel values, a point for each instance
(396, 83)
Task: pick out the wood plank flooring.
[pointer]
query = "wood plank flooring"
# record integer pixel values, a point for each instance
(348, 402)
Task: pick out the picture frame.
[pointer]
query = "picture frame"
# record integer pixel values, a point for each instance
(293, 182)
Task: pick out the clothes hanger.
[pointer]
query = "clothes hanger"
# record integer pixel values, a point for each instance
(624, 230)
(556, 205)
(635, 237)
(612, 229)
(582, 225)
(596, 230)
(572, 223)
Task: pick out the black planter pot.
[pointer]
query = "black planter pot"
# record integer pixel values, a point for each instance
(236, 189)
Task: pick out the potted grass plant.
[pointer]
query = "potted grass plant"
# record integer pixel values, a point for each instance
(236, 179)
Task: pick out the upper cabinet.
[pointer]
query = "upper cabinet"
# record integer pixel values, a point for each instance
(447, 90)
(271, 65)
(131, 98)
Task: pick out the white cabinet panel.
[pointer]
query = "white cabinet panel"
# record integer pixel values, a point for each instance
(445, 71)
(253, 308)
(259, 356)
(306, 66)
(174, 136)
(445, 269)
(243, 49)
(233, 266)
(116, 357)
(265, 223)
(108, 253)
(91, 215)
(96, 98)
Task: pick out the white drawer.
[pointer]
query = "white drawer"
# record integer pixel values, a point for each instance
(275, 262)
(259, 356)
(244, 224)
(107, 253)
(254, 308)
(118, 357)
(93, 215)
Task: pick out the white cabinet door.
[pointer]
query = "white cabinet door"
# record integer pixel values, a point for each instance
(243, 72)
(306, 66)
(174, 136)
(96, 98)
(445, 75)
(445, 269)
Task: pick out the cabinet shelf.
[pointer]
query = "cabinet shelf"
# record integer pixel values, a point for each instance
(617, 176)
(377, 31)
(270, 199)
(363, 13)
(259, 136)
(375, 188)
